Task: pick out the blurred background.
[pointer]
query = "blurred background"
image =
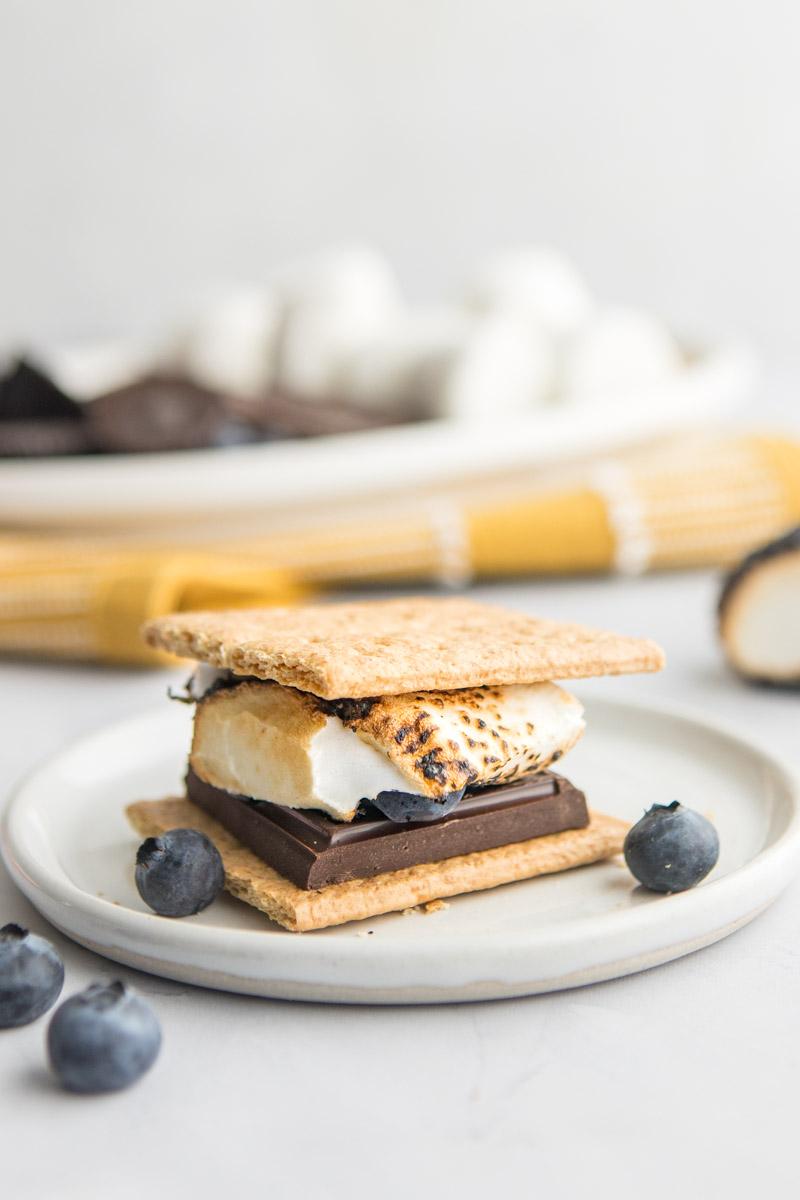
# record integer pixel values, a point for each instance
(152, 148)
(326, 294)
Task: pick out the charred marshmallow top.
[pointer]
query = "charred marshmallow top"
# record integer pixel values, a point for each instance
(269, 742)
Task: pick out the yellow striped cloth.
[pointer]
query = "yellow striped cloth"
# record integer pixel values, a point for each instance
(687, 503)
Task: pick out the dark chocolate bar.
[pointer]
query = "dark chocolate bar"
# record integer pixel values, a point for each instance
(282, 416)
(36, 417)
(156, 412)
(314, 851)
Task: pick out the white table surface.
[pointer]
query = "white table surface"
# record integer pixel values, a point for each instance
(680, 1081)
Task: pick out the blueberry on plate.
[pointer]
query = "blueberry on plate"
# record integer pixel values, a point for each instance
(179, 873)
(403, 807)
(671, 848)
(103, 1039)
(31, 976)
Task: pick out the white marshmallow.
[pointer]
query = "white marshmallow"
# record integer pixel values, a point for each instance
(344, 768)
(506, 366)
(336, 306)
(341, 769)
(317, 344)
(231, 344)
(536, 283)
(406, 364)
(759, 616)
(204, 679)
(619, 352)
(275, 744)
(87, 370)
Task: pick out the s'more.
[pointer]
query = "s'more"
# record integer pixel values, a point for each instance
(355, 759)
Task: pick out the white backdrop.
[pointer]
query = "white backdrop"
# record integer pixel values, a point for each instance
(151, 147)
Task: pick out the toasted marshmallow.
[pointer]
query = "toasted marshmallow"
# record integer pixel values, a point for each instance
(758, 613)
(444, 741)
(273, 743)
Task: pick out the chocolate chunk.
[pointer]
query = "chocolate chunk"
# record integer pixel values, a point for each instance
(42, 439)
(283, 416)
(313, 851)
(27, 394)
(36, 418)
(159, 412)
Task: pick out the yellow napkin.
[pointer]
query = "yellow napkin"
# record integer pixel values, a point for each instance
(689, 503)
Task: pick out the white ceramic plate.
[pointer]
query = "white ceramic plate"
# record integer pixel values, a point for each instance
(278, 476)
(68, 847)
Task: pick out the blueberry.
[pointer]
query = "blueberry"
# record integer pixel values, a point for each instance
(31, 976)
(671, 848)
(179, 873)
(405, 806)
(103, 1039)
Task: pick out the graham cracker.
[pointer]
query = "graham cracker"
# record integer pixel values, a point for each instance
(251, 880)
(390, 647)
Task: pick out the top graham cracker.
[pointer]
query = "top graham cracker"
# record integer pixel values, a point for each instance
(388, 647)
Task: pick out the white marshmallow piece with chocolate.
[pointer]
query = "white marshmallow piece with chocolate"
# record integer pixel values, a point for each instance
(269, 742)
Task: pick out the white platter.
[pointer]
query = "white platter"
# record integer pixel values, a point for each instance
(278, 476)
(68, 847)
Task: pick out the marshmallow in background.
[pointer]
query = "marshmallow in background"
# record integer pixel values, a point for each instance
(506, 366)
(536, 284)
(348, 274)
(335, 307)
(231, 344)
(618, 352)
(335, 326)
(404, 367)
(86, 370)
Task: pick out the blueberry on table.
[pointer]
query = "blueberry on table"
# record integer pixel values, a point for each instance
(403, 807)
(103, 1039)
(31, 976)
(671, 848)
(179, 873)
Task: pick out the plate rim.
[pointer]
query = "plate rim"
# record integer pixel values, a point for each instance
(772, 861)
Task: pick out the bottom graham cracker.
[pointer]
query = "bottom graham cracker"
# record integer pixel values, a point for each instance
(249, 879)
